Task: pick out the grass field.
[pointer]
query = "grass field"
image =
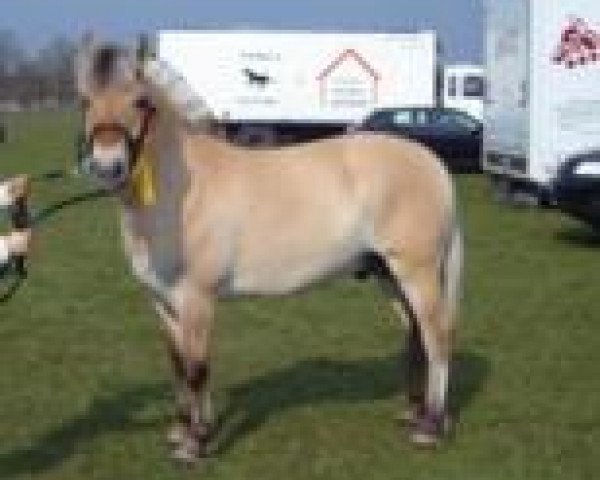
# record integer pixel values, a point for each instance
(308, 386)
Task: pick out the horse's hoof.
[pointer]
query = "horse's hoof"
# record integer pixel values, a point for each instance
(189, 453)
(176, 434)
(427, 431)
(423, 439)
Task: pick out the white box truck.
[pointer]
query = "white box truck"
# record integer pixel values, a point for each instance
(262, 84)
(463, 88)
(543, 89)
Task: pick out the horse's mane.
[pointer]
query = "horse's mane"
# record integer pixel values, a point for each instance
(105, 63)
(175, 90)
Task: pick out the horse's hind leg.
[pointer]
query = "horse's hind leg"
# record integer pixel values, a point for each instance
(416, 358)
(434, 324)
(428, 348)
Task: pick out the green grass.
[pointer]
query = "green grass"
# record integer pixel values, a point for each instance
(309, 385)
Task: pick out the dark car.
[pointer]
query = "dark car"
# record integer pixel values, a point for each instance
(576, 188)
(454, 135)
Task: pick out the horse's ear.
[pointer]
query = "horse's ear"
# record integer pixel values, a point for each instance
(83, 59)
(143, 54)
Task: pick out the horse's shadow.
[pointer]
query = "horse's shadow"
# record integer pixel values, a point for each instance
(316, 381)
(247, 406)
(105, 414)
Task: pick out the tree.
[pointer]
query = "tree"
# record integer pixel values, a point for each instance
(11, 53)
(54, 64)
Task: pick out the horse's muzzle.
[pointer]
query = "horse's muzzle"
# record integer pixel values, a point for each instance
(112, 175)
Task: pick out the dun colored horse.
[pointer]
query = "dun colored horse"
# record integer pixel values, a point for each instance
(204, 219)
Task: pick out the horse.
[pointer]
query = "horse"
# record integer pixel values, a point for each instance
(205, 220)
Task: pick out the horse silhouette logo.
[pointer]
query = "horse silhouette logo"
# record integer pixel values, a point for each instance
(256, 79)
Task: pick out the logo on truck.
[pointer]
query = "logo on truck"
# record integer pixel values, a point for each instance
(579, 45)
(349, 81)
(257, 79)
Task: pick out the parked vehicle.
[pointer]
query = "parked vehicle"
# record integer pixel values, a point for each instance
(463, 88)
(453, 135)
(543, 90)
(577, 188)
(263, 85)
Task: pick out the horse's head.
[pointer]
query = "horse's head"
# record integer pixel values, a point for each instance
(118, 111)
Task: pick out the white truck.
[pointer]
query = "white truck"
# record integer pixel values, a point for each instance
(265, 84)
(543, 90)
(463, 88)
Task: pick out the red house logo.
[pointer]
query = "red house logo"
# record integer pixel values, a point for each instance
(579, 45)
(344, 59)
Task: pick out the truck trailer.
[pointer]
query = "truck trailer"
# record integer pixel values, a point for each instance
(542, 103)
(269, 86)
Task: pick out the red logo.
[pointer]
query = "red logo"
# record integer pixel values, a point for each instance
(579, 45)
(349, 55)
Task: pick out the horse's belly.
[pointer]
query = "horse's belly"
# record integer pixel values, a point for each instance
(284, 279)
(282, 274)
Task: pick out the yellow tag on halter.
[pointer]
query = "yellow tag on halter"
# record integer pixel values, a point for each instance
(144, 181)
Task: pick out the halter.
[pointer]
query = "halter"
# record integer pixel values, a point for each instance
(135, 144)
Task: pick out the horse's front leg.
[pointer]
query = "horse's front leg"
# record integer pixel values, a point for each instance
(189, 327)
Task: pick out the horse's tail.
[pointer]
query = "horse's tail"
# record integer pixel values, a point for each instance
(452, 269)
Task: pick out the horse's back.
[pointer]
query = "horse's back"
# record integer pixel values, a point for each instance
(394, 173)
(379, 172)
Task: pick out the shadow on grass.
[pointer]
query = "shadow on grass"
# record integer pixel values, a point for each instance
(579, 235)
(9, 284)
(249, 405)
(105, 414)
(328, 381)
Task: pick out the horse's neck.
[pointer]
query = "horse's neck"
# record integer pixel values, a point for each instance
(163, 152)
(158, 227)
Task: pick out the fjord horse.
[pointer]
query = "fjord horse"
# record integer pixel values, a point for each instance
(216, 220)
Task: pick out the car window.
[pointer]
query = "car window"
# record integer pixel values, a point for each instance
(474, 86)
(379, 119)
(453, 119)
(422, 117)
(402, 117)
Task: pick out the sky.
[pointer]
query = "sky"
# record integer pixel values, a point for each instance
(459, 23)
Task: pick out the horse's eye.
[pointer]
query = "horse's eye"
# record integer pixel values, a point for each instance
(142, 103)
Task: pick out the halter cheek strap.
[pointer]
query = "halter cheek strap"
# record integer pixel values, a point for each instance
(137, 144)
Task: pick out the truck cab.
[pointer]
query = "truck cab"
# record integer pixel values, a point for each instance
(464, 89)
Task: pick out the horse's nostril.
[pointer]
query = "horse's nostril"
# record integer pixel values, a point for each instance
(118, 170)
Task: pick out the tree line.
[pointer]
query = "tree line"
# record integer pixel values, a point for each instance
(39, 79)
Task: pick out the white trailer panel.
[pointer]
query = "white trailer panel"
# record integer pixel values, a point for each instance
(544, 85)
(565, 104)
(303, 76)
